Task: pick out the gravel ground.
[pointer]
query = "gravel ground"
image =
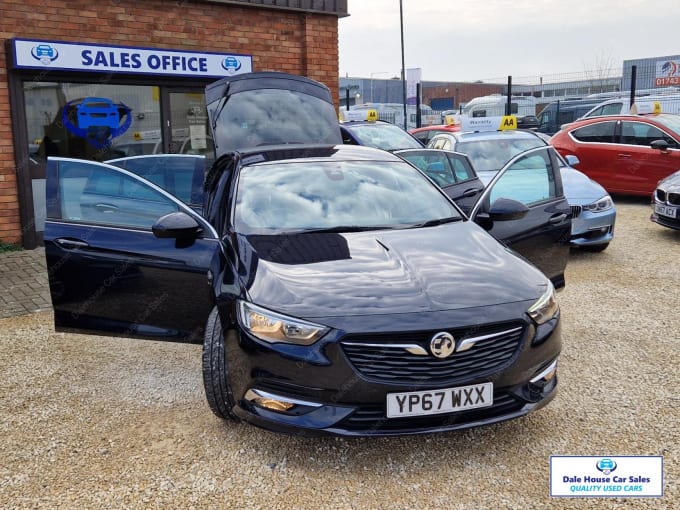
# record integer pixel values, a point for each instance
(97, 422)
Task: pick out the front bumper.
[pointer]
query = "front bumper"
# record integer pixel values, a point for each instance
(340, 396)
(589, 228)
(663, 220)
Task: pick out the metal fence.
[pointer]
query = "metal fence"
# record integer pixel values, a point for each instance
(647, 77)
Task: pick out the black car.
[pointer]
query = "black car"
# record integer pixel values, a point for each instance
(666, 202)
(335, 289)
(452, 171)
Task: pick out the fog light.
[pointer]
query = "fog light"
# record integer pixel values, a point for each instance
(274, 402)
(546, 375)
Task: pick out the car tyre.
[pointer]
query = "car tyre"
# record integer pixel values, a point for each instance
(215, 372)
(595, 248)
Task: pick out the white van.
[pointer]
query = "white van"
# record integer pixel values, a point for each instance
(524, 107)
(643, 104)
(494, 105)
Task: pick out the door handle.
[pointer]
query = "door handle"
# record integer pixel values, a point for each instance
(470, 192)
(558, 218)
(106, 208)
(71, 244)
(624, 156)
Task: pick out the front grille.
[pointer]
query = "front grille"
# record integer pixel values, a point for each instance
(393, 363)
(373, 418)
(576, 211)
(674, 198)
(661, 195)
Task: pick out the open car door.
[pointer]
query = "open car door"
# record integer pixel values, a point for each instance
(125, 256)
(524, 207)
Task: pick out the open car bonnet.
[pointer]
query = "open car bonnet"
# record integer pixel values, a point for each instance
(260, 109)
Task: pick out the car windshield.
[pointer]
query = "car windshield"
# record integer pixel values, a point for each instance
(387, 137)
(490, 155)
(672, 122)
(340, 195)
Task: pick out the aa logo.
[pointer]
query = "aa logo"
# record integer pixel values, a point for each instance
(508, 122)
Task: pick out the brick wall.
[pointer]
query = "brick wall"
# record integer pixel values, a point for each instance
(293, 42)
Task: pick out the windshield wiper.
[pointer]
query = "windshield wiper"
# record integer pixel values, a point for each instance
(438, 221)
(346, 228)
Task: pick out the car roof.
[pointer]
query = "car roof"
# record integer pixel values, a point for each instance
(649, 118)
(492, 135)
(438, 127)
(350, 123)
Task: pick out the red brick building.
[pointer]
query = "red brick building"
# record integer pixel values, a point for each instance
(151, 59)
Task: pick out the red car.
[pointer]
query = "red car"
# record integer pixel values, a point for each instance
(624, 153)
(425, 134)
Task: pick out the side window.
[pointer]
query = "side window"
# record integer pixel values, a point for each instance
(179, 176)
(529, 180)
(461, 168)
(565, 117)
(600, 132)
(97, 194)
(439, 143)
(638, 133)
(545, 120)
(612, 109)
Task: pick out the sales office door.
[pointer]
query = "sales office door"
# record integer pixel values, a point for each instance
(187, 128)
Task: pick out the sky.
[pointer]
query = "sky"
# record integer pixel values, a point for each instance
(469, 40)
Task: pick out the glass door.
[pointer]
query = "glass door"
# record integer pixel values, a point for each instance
(188, 130)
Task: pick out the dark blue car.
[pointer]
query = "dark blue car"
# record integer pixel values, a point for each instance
(335, 289)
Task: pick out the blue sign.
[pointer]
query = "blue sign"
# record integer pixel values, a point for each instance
(98, 120)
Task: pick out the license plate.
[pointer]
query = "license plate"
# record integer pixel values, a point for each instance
(665, 210)
(447, 400)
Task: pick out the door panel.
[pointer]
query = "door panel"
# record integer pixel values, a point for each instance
(542, 235)
(108, 273)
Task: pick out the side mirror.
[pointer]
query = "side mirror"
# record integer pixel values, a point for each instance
(572, 160)
(176, 225)
(661, 145)
(506, 209)
(503, 209)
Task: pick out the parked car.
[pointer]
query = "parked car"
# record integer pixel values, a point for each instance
(425, 134)
(593, 210)
(321, 278)
(451, 171)
(666, 202)
(626, 153)
(558, 113)
(377, 134)
(666, 103)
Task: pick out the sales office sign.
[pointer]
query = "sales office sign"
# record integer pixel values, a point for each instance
(57, 55)
(600, 477)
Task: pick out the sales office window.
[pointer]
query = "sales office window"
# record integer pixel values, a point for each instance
(98, 122)
(91, 121)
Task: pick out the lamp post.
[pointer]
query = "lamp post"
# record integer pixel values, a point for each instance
(372, 75)
(403, 62)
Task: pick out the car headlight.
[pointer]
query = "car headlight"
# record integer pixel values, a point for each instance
(273, 327)
(603, 204)
(545, 307)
